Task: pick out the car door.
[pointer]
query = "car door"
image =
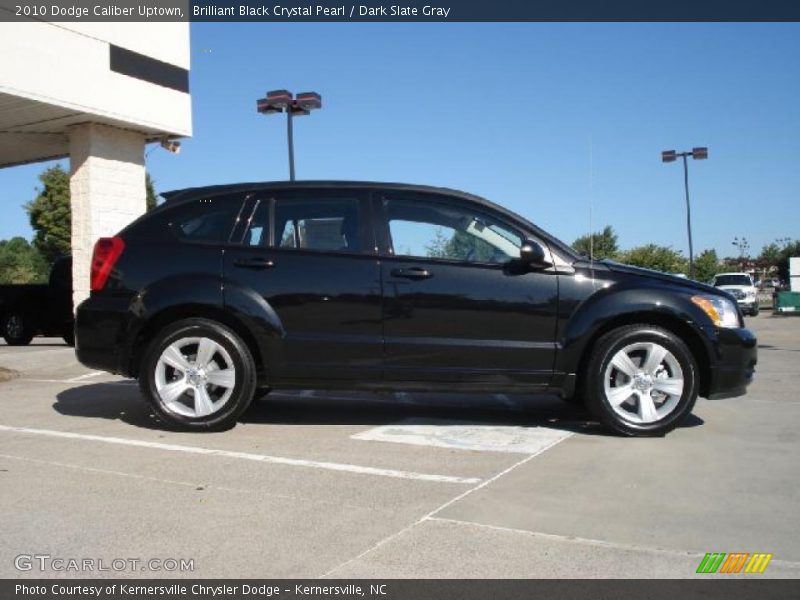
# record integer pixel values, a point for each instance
(456, 305)
(308, 254)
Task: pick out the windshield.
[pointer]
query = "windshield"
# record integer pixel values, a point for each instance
(732, 280)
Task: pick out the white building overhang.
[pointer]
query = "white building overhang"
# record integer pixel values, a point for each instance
(32, 131)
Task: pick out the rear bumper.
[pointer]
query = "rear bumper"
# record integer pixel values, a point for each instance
(102, 325)
(734, 369)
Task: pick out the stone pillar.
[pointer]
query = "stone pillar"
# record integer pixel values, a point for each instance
(107, 190)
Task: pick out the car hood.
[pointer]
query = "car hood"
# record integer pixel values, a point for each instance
(689, 284)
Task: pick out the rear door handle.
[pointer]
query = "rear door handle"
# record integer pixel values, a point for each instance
(254, 263)
(412, 273)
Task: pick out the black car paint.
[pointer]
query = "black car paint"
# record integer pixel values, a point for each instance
(339, 319)
(47, 307)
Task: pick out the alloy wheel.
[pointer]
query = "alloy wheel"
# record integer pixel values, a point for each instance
(195, 377)
(643, 382)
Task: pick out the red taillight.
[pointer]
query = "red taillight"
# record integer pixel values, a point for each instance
(106, 253)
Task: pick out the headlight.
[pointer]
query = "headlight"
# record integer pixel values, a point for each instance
(720, 310)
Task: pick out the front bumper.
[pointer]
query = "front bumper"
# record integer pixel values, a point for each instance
(735, 364)
(747, 303)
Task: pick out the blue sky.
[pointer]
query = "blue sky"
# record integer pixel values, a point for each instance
(513, 112)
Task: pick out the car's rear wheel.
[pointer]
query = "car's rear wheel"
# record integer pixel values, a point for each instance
(641, 380)
(198, 374)
(16, 330)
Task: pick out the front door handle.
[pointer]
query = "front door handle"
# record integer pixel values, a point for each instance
(412, 273)
(254, 263)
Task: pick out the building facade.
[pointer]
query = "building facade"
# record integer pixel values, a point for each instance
(95, 93)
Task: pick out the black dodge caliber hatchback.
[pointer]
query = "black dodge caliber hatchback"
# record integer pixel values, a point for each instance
(224, 292)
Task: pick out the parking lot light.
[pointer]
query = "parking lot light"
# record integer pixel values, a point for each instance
(668, 156)
(697, 153)
(278, 101)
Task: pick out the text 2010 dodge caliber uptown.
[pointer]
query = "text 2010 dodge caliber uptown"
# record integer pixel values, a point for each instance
(224, 292)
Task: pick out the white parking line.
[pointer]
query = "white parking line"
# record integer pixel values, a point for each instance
(86, 376)
(438, 509)
(592, 542)
(39, 380)
(190, 484)
(197, 485)
(32, 350)
(277, 460)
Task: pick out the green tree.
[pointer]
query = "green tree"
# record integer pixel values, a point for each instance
(437, 247)
(460, 246)
(770, 256)
(604, 244)
(150, 192)
(50, 214)
(706, 265)
(652, 256)
(20, 262)
(463, 246)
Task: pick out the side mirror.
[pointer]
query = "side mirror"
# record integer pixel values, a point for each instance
(531, 253)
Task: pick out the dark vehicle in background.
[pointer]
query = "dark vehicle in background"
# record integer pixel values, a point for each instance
(224, 292)
(39, 309)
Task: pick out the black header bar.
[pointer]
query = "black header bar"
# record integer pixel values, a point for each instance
(442, 11)
(394, 589)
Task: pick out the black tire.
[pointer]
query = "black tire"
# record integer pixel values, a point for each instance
(16, 330)
(69, 338)
(241, 360)
(594, 380)
(755, 311)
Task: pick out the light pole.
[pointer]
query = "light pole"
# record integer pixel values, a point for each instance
(744, 246)
(278, 101)
(671, 156)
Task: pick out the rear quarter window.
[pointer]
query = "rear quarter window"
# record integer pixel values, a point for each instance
(209, 220)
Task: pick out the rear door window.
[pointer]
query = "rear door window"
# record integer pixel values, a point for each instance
(316, 221)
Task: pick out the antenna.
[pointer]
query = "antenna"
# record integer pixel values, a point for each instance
(591, 202)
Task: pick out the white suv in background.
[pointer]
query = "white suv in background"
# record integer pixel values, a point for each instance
(740, 285)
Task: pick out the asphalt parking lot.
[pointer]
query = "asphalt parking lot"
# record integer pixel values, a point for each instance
(384, 486)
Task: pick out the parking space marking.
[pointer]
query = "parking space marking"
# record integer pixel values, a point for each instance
(593, 542)
(86, 376)
(39, 380)
(440, 508)
(465, 436)
(31, 350)
(277, 460)
(51, 463)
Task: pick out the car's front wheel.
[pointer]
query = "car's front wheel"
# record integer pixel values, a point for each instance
(641, 380)
(198, 374)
